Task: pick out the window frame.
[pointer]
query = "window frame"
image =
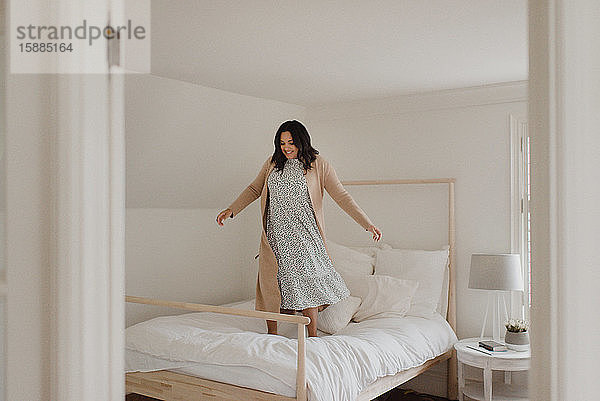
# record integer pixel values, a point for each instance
(520, 302)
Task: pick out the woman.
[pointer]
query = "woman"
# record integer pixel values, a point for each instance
(295, 272)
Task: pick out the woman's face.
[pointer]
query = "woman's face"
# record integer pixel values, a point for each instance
(287, 145)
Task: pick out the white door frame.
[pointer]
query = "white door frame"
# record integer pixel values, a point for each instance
(519, 205)
(564, 94)
(65, 189)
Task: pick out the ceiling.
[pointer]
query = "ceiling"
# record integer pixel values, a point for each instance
(315, 52)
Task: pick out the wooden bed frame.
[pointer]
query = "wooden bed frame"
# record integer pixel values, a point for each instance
(170, 386)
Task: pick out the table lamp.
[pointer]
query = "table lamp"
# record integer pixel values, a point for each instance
(496, 273)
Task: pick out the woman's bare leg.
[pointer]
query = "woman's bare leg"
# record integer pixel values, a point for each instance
(312, 313)
(272, 326)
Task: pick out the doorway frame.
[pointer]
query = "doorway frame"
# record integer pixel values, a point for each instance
(65, 209)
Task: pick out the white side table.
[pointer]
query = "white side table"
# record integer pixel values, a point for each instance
(507, 361)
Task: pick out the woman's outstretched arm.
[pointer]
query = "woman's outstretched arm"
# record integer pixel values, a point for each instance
(339, 194)
(248, 195)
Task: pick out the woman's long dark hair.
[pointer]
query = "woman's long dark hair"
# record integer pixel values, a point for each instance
(306, 153)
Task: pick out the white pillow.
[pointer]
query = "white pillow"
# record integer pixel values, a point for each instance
(357, 284)
(337, 316)
(385, 296)
(348, 261)
(371, 250)
(426, 267)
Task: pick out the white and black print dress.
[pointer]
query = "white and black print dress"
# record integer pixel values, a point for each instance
(306, 275)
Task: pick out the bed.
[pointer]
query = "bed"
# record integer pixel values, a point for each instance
(221, 352)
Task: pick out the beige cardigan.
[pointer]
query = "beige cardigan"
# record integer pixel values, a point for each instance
(320, 176)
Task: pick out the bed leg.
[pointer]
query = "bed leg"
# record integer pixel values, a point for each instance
(452, 389)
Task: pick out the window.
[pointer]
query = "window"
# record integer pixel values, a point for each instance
(521, 217)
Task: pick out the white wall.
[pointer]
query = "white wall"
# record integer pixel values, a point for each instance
(190, 151)
(185, 140)
(183, 255)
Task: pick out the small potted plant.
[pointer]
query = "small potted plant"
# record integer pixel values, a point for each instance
(517, 335)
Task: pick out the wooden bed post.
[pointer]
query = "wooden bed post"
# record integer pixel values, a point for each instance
(301, 369)
(452, 389)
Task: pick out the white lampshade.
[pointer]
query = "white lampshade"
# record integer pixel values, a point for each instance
(496, 272)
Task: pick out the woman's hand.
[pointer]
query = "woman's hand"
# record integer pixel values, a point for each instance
(223, 215)
(375, 231)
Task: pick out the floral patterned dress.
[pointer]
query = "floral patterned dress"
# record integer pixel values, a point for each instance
(305, 273)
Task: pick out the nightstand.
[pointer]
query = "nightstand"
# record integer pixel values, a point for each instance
(507, 361)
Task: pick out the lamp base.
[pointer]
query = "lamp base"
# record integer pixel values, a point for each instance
(496, 327)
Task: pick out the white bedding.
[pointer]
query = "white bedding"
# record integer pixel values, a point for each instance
(235, 350)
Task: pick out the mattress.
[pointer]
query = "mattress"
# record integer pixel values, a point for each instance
(236, 350)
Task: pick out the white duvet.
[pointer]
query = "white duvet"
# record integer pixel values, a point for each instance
(235, 350)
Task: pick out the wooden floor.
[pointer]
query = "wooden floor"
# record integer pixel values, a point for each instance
(393, 395)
